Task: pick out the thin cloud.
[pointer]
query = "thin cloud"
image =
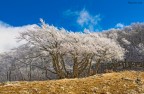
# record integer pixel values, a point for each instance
(8, 35)
(119, 25)
(71, 13)
(85, 20)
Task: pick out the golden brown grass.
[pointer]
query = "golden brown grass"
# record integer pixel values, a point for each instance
(110, 83)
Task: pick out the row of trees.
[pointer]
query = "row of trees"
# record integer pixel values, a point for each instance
(52, 53)
(132, 39)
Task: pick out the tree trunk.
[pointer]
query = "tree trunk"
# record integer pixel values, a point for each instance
(75, 68)
(30, 69)
(97, 66)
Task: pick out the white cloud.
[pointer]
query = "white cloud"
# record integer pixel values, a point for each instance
(119, 25)
(2, 24)
(86, 20)
(8, 35)
(70, 13)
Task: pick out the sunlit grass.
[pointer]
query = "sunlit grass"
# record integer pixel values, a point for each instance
(109, 83)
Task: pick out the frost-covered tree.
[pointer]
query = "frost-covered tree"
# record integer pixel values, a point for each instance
(132, 39)
(70, 54)
(49, 52)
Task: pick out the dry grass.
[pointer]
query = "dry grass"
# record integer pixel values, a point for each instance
(109, 83)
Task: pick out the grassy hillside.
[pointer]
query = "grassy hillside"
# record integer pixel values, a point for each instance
(125, 82)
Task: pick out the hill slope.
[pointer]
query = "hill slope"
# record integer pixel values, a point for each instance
(125, 82)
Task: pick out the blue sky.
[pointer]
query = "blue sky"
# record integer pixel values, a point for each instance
(75, 15)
